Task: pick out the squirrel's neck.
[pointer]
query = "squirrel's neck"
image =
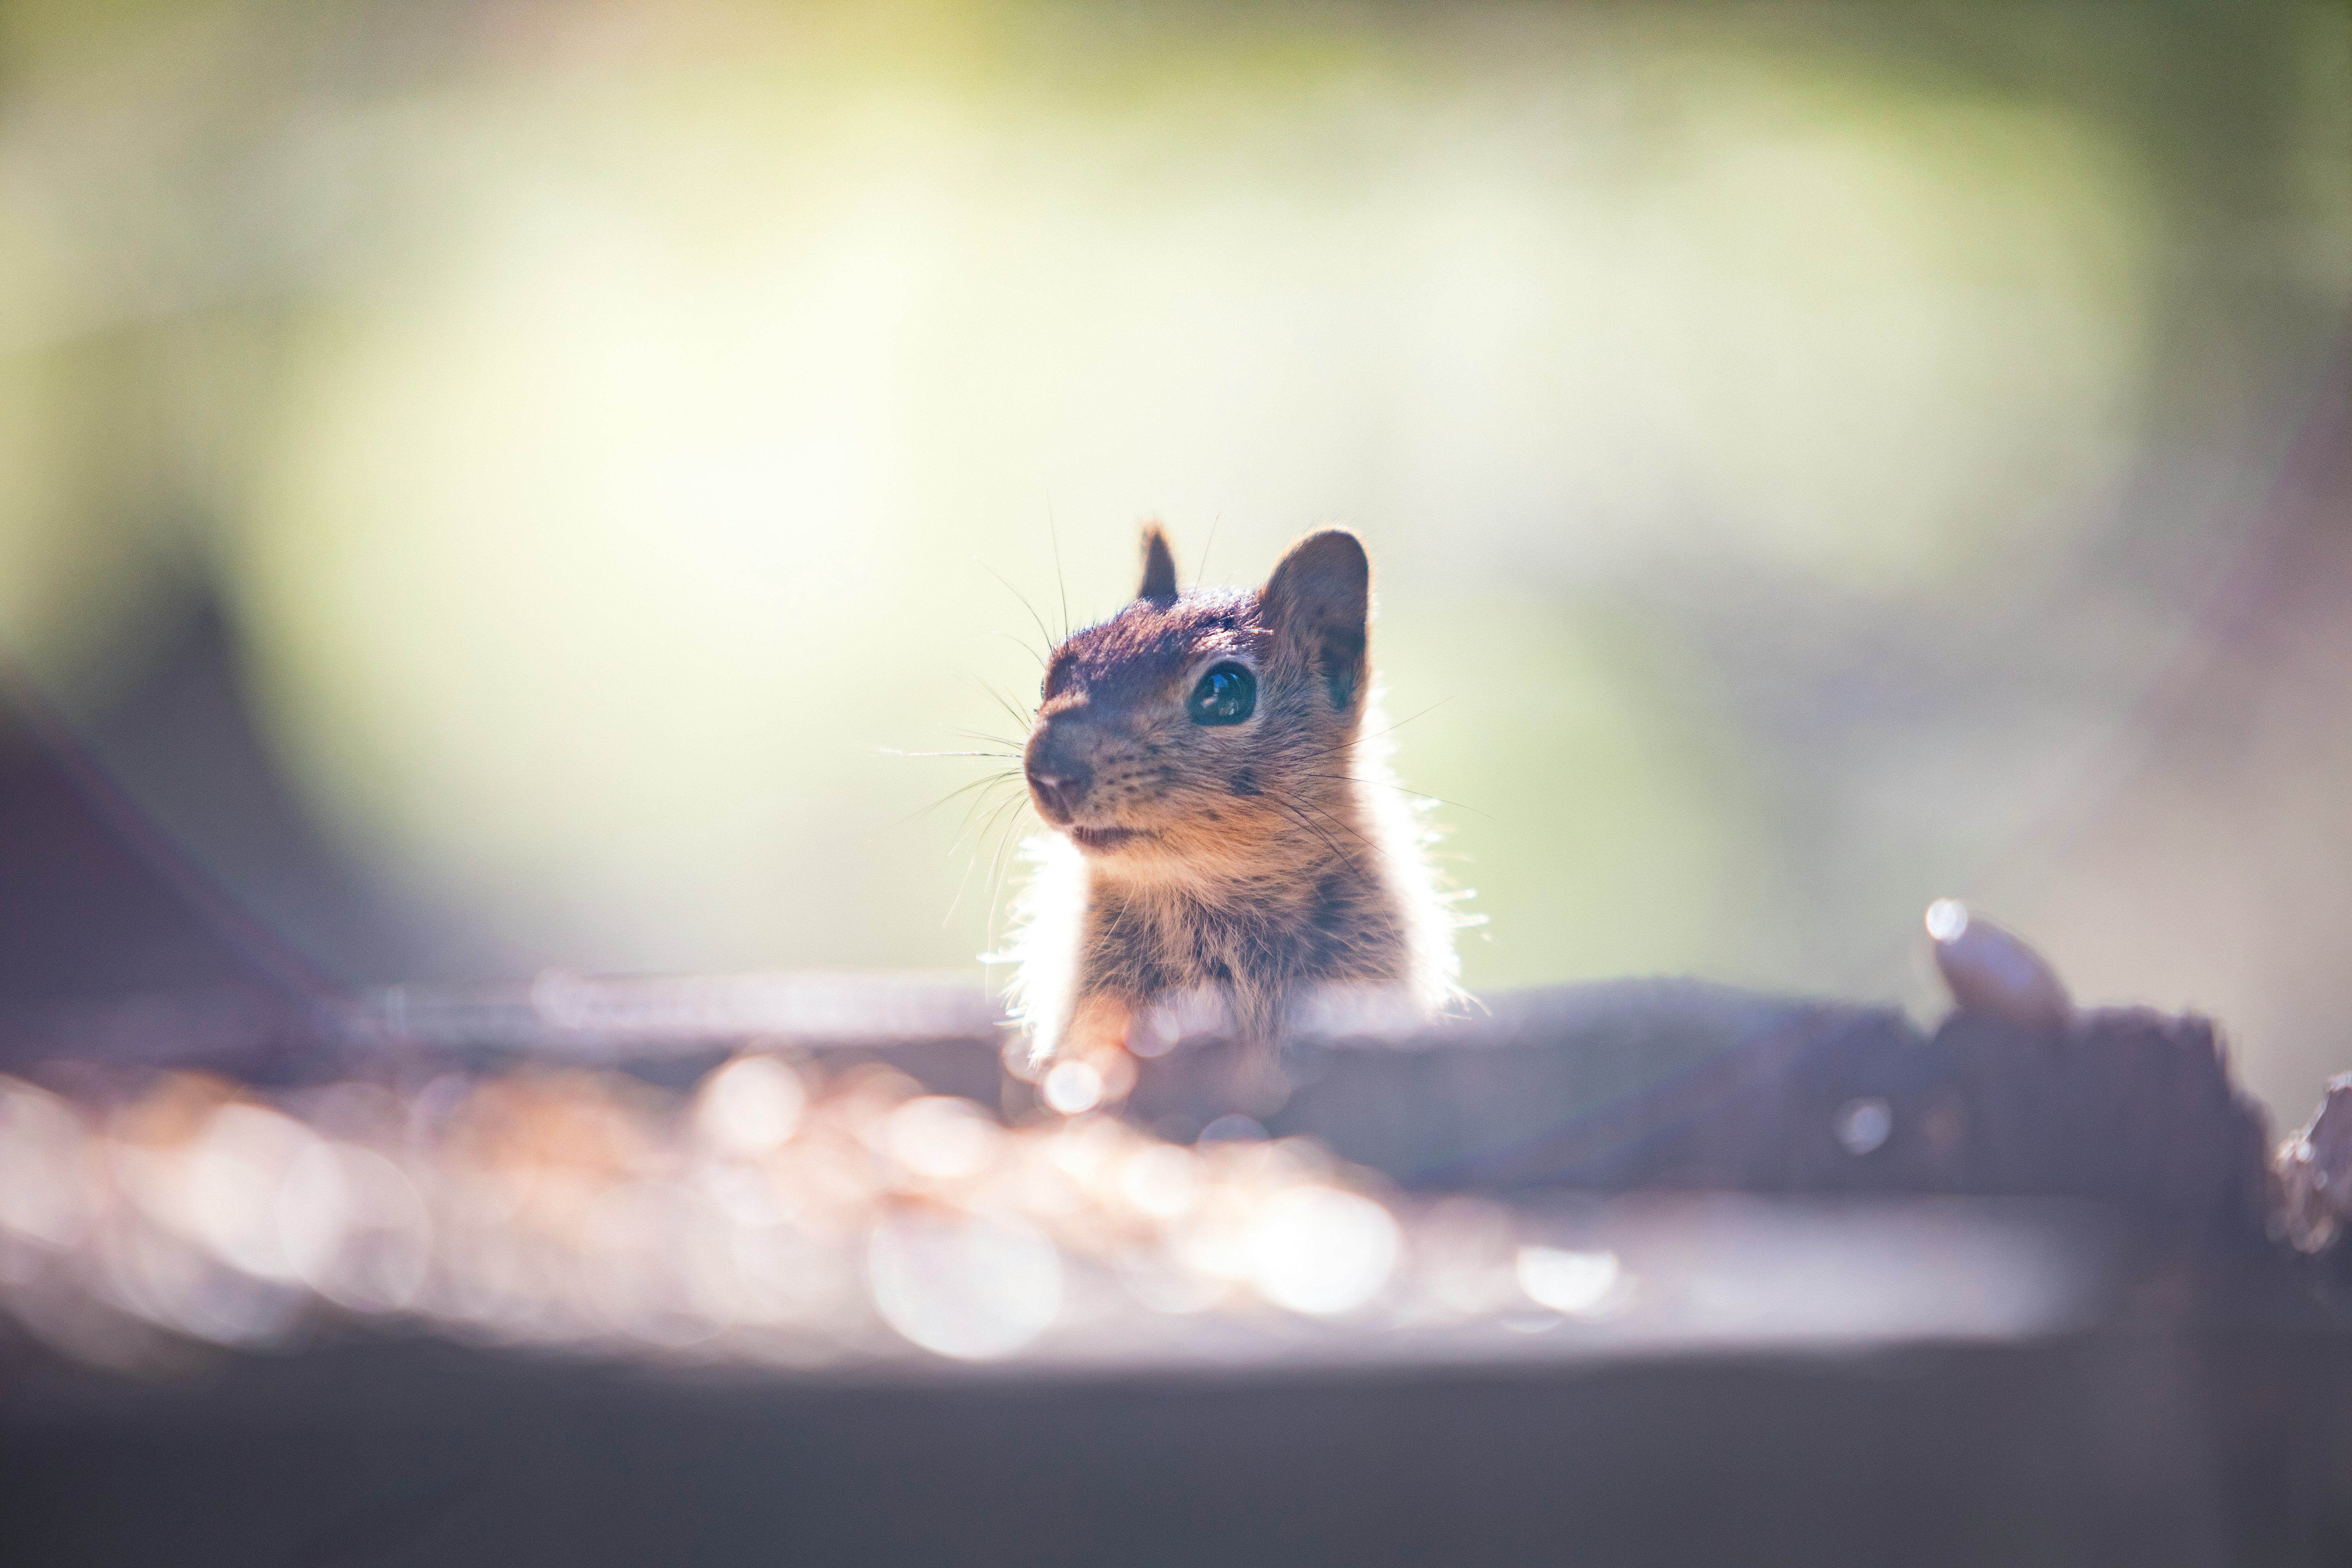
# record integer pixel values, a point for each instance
(1314, 906)
(1310, 837)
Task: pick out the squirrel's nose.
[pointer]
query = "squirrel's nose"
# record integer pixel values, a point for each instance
(1058, 780)
(1059, 785)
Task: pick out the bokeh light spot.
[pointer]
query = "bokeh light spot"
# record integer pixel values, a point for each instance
(1570, 1282)
(1321, 1251)
(971, 1286)
(751, 1105)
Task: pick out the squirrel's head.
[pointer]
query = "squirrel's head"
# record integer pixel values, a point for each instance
(1190, 731)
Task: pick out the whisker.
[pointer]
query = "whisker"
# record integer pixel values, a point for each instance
(965, 880)
(1391, 784)
(979, 784)
(895, 752)
(1303, 804)
(1041, 629)
(979, 826)
(1005, 841)
(1020, 720)
(1340, 822)
(1300, 817)
(970, 812)
(1055, 534)
(993, 739)
(1322, 753)
(1400, 723)
(1020, 644)
(1338, 746)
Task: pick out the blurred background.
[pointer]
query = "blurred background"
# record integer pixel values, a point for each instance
(489, 486)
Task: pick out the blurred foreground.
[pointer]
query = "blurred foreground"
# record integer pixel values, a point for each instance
(2012, 1292)
(778, 1217)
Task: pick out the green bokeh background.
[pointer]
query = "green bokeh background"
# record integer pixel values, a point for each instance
(1794, 443)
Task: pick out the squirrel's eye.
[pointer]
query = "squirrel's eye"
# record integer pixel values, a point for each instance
(1226, 695)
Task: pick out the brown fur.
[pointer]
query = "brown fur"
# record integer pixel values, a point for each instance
(1251, 860)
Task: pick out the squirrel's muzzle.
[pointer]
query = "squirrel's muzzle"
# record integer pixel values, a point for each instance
(1058, 781)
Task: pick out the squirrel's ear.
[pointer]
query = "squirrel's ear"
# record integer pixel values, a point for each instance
(1159, 567)
(1321, 594)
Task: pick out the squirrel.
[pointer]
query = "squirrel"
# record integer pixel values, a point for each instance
(1225, 824)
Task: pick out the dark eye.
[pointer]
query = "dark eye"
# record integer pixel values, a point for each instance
(1226, 695)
